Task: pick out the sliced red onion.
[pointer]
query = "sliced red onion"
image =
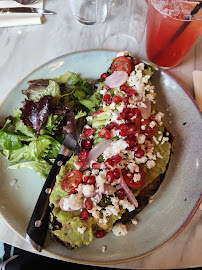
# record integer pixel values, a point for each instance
(96, 151)
(128, 192)
(116, 79)
(146, 112)
(109, 189)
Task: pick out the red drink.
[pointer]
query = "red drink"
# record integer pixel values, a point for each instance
(169, 36)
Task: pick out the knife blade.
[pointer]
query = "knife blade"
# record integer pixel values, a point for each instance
(26, 10)
(38, 224)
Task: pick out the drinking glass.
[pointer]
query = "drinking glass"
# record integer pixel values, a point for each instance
(127, 22)
(89, 12)
(173, 27)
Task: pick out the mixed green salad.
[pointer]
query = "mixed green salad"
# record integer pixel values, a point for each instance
(31, 138)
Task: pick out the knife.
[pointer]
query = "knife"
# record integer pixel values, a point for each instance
(38, 224)
(26, 10)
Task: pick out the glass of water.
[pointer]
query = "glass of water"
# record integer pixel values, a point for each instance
(89, 12)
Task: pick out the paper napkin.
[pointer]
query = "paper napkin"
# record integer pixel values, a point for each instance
(197, 79)
(17, 19)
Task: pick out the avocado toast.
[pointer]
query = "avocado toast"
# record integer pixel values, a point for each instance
(125, 151)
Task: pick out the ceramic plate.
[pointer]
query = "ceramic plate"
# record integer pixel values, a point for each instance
(174, 204)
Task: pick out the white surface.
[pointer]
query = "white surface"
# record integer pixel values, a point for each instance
(16, 19)
(23, 49)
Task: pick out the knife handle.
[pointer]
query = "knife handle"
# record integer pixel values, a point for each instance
(38, 225)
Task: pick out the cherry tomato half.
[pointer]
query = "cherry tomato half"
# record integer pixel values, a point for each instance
(71, 181)
(121, 63)
(128, 177)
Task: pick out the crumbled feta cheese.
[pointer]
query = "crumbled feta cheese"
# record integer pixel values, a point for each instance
(150, 164)
(152, 124)
(159, 155)
(73, 202)
(143, 127)
(100, 181)
(95, 211)
(124, 53)
(134, 221)
(133, 167)
(137, 177)
(121, 106)
(141, 160)
(165, 139)
(155, 140)
(115, 148)
(88, 190)
(89, 118)
(141, 138)
(127, 205)
(81, 229)
(113, 105)
(158, 118)
(103, 91)
(120, 229)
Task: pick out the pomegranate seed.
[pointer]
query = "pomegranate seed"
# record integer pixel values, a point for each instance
(110, 176)
(88, 205)
(104, 76)
(107, 98)
(136, 112)
(126, 113)
(100, 234)
(96, 166)
(86, 144)
(117, 99)
(139, 152)
(117, 158)
(105, 133)
(108, 135)
(89, 179)
(84, 214)
(97, 112)
(124, 88)
(130, 92)
(116, 173)
(80, 163)
(109, 163)
(126, 100)
(112, 125)
(88, 132)
(123, 130)
(120, 194)
(124, 133)
(105, 87)
(83, 155)
(131, 140)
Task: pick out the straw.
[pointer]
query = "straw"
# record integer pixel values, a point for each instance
(179, 31)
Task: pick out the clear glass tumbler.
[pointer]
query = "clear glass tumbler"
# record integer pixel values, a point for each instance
(173, 27)
(89, 12)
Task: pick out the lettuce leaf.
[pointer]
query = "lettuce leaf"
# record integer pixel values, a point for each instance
(11, 141)
(37, 149)
(93, 102)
